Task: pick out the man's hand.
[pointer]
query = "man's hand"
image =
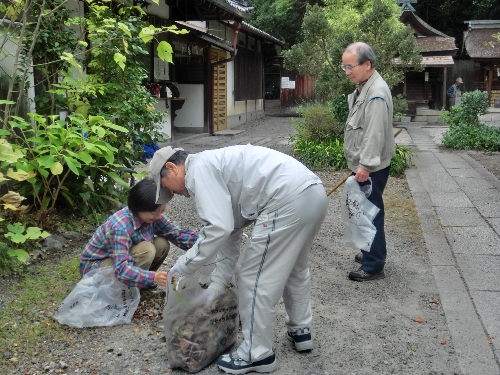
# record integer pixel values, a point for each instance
(361, 174)
(161, 278)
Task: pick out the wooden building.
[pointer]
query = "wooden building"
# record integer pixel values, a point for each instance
(481, 44)
(426, 89)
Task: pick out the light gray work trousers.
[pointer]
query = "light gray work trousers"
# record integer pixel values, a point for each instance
(276, 264)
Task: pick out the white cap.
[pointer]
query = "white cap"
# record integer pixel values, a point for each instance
(158, 161)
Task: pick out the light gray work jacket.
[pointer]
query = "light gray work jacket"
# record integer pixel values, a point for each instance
(369, 138)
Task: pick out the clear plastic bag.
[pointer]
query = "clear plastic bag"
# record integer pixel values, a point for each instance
(98, 299)
(357, 214)
(198, 327)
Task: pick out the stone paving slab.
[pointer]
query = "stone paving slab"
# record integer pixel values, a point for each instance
(473, 240)
(495, 224)
(447, 199)
(468, 183)
(459, 217)
(464, 172)
(474, 353)
(480, 272)
(489, 305)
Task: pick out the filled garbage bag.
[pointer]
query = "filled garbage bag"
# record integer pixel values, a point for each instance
(99, 299)
(199, 325)
(357, 214)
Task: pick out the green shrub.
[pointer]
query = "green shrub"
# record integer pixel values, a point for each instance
(318, 123)
(473, 104)
(339, 107)
(318, 155)
(480, 137)
(400, 106)
(70, 159)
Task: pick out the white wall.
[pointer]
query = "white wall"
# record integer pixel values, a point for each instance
(160, 10)
(166, 123)
(9, 50)
(191, 113)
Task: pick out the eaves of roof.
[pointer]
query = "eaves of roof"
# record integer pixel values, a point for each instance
(419, 25)
(238, 7)
(263, 34)
(431, 61)
(202, 33)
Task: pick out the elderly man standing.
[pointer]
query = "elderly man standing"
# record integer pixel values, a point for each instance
(369, 146)
(233, 187)
(454, 93)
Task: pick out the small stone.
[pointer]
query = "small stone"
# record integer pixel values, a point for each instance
(7, 354)
(63, 365)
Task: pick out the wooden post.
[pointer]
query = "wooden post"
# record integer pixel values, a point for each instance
(445, 77)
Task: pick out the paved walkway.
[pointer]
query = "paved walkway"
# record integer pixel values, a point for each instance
(458, 203)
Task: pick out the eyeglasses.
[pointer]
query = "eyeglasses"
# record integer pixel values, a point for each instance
(348, 68)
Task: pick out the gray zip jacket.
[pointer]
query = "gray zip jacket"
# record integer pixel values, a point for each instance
(231, 187)
(368, 138)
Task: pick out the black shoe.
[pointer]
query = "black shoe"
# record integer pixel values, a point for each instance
(302, 339)
(360, 275)
(359, 258)
(233, 364)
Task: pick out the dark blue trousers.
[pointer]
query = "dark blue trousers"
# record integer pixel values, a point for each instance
(374, 260)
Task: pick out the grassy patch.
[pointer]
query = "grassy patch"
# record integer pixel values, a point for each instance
(27, 320)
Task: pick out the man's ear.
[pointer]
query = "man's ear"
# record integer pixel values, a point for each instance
(171, 168)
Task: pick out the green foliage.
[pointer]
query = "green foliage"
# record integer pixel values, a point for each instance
(70, 159)
(339, 107)
(318, 124)
(322, 154)
(400, 161)
(474, 104)
(18, 234)
(9, 265)
(53, 37)
(319, 139)
(281, 18)
(327, 31)
(400, 106)
(479, 137)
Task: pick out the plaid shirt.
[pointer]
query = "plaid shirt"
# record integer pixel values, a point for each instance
(114, 238)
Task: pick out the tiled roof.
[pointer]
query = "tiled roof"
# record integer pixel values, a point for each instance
(481, 44)
(435, 44)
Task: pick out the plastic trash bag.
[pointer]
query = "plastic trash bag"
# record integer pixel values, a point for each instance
(357, 214)
(198, 326)
(98, 299)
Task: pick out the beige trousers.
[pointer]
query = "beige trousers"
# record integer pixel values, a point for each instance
(148, 256)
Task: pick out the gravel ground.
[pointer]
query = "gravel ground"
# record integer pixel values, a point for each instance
(390, 326)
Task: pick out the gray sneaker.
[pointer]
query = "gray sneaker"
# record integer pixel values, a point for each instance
(302, 339)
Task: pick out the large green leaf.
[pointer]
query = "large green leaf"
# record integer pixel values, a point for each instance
(165, 51)
(34, 233)
(118, 180)
(20, 254)
(72, 164)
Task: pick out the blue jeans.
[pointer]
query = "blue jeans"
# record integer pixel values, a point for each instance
(374, 260)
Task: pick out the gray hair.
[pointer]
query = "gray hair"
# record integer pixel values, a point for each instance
(179, 158)
(363, 53)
